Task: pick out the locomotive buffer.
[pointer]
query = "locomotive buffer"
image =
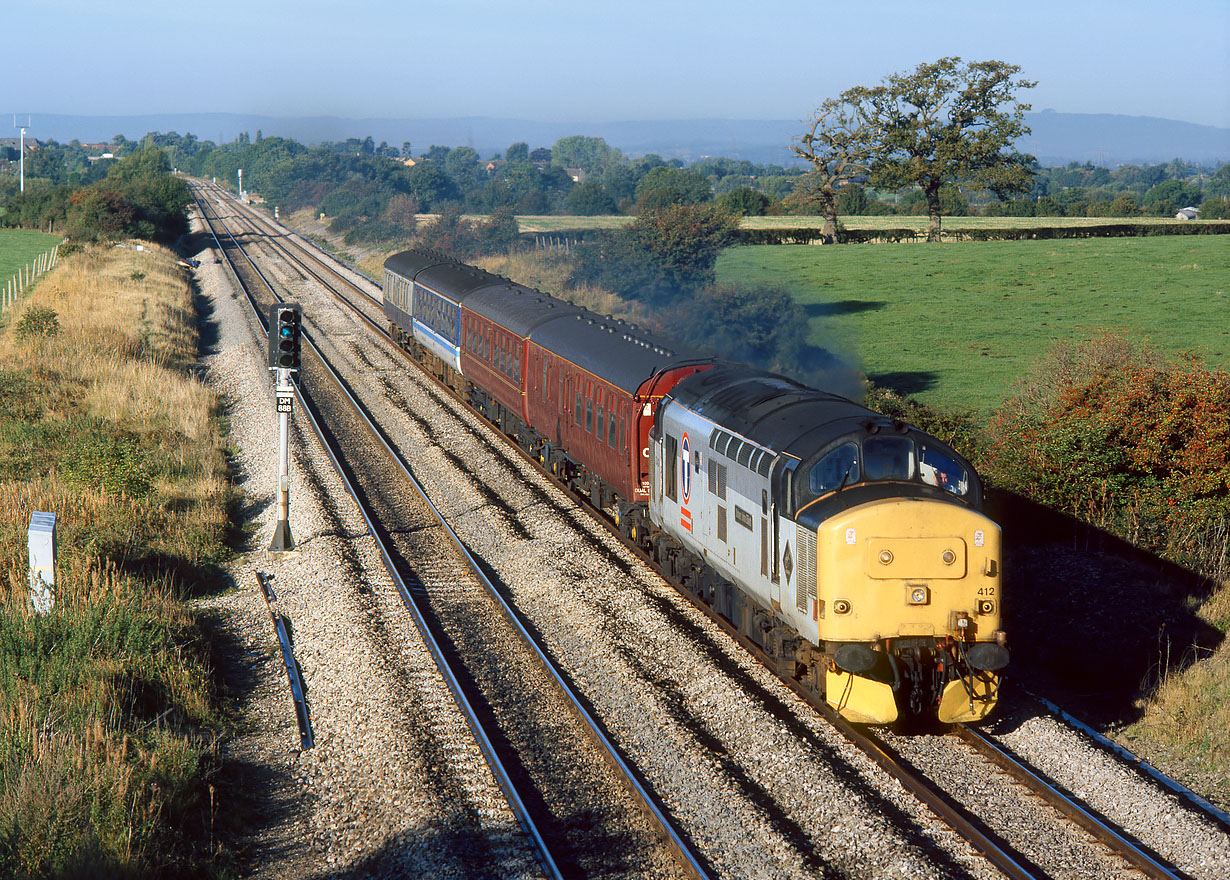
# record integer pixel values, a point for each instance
(284, 340)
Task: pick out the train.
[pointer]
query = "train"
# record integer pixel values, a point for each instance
(849, 547)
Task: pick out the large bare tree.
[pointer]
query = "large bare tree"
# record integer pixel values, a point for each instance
(839, 146)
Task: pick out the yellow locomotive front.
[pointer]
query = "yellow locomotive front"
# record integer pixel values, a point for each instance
(910, 591)
(908, 581)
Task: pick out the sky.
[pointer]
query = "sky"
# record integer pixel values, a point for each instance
(619, 60)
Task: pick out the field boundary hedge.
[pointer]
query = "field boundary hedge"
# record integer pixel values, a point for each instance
(810, 235)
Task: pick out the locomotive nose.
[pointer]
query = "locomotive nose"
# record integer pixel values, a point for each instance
(916, 558)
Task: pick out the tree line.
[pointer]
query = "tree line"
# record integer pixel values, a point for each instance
(370, 192)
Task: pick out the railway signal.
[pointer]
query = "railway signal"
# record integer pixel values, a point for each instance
(284, 333)
(285, 330)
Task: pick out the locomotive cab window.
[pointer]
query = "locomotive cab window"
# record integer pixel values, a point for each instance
(888, 458)
(837, 468)
(938, 469)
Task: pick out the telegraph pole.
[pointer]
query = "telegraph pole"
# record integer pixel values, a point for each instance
(285, 321)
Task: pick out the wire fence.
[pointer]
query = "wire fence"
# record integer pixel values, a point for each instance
(42, 264)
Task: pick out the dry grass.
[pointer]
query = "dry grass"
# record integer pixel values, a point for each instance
(549, 271)
(107, 714)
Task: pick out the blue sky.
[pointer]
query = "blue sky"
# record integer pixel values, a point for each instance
(612, 61)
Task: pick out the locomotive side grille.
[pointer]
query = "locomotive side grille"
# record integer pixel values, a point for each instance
(805, 587)
(721, 523)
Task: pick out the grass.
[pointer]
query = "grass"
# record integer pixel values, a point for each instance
(108, 717)
(1185, 724)
(956, 324)
(18, 248)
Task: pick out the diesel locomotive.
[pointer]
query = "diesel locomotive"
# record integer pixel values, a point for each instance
(849, 547)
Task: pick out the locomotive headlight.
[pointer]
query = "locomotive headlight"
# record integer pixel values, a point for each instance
(841, 606)
(986, 606)
(918, 595)
(886, 557)
(949, 557)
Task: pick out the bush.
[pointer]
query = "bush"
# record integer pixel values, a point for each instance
(466, 239)
(662, 257)
(38, 322)
(958, 428)
(1126, 439)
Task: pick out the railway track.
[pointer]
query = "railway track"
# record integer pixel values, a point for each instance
(1010, 858)
(550, 756)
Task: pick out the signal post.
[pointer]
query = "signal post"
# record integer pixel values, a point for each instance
(285, 320)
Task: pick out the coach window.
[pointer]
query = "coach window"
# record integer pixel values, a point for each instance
(589, 415)
(612, 432)
(600, 429)
(580, 408)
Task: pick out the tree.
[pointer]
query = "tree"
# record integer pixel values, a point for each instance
(662, 256)
(1169, 196)
(462, 164)
(589, 199)
(947, 122)
(590, 154)
(839, 146)
(665, 186)
(518, 152)
(746, 201)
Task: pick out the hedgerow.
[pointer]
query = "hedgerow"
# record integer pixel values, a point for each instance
(1127, 439)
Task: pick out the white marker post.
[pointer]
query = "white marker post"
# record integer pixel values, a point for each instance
(42, 543)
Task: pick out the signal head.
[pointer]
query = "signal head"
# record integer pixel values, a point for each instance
(284, 336)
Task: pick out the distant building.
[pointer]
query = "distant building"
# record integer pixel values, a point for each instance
(15, 143)
(1188, 213)
(578, 175)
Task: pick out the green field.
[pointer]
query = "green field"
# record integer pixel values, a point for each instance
(957, 324)
(19, 247)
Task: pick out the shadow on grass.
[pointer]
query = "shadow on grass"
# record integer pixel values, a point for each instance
(841, 307)
(1093, 621)
(905, 382)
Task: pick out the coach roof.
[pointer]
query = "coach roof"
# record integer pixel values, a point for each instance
(407, 264)
(516, 308)
(614, 350)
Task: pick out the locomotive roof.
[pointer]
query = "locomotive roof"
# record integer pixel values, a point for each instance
(614, 350)
(772, 410)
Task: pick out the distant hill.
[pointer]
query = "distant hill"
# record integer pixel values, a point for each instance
(1057, 138)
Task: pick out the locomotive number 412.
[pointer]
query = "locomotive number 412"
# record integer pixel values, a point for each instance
(986, 591)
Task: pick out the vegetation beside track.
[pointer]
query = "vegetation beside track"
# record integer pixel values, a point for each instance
(109, 720)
